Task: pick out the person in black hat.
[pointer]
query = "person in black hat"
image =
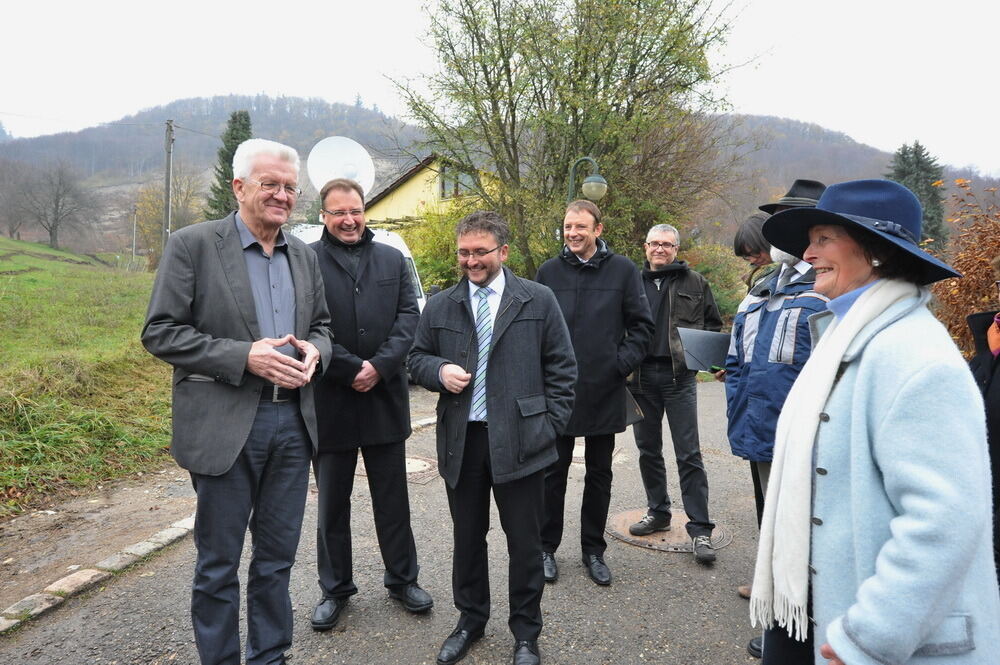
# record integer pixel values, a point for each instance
(802, 194)
(876, 540)
(770, 344)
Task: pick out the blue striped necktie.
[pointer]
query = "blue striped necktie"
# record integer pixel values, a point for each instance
(484, 333)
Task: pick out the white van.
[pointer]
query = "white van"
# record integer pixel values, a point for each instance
(310, 233)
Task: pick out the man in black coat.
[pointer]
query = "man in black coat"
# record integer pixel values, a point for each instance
(362, 403)
(496, 347)
(601, 296)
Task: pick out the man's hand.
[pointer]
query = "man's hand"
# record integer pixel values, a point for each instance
(310, 356)
(827, 652)
(454, 379)
(366, 377)
(267, 363)
(720, 375)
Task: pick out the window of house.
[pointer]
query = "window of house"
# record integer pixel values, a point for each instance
(454, 183)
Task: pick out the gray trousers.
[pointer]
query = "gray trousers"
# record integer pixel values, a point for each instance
(662, 392)
(264, 490)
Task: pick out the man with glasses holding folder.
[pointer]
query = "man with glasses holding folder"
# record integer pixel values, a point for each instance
(678, 297)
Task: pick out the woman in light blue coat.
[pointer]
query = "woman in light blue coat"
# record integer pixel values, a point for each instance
(876, 542)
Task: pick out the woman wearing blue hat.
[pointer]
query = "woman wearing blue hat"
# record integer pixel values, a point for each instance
(876, 539)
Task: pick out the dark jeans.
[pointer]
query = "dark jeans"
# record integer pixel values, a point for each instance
(677, 396)
(519, 503)
(598, 451)
(385, 466)
(265, 489)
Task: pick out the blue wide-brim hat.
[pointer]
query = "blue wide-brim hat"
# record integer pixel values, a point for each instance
(882, 208)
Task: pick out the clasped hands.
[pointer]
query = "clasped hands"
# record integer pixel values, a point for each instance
(267, 362)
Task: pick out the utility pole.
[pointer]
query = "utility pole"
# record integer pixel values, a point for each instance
(135, 220)
(168, 177)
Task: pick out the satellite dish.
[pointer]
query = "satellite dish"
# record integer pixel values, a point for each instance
(340, 157)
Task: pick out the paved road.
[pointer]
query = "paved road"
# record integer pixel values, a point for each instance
(662, 607)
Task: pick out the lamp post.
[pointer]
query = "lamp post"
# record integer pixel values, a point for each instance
(594, 186)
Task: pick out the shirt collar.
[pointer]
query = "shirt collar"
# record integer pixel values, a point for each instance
(841, 304)
(247, 238)
(498, 284)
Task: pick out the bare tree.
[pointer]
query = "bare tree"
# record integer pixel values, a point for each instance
(12, 219)
(55, 199)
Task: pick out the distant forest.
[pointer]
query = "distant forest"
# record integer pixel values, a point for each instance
(132, 149)
(117, 157)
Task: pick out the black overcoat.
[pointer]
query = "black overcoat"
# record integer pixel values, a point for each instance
(610, 324)
(986, 369)
(375, 319)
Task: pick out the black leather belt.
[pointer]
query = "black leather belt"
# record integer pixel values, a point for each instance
(277, 394)
(479, 423)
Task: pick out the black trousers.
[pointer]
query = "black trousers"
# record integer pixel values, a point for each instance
(663, 392)
(598, 451)
(519, 503)
(265, 489)
(385, 466)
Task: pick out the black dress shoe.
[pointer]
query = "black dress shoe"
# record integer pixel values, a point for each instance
(327, 612)
(597, 569)
(549, 567)
(457, 645)
(526, 653)
(414, 598)
(756, 647)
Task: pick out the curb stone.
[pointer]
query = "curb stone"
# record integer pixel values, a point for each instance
(76, 583)
(7, 624)
(32, 606)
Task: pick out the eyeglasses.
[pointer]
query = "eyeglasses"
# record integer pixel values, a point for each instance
(662, 245)
(478, 253)
(340, 214)
(273, 187)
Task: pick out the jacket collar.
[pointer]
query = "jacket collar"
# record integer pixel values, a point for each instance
(602, 253)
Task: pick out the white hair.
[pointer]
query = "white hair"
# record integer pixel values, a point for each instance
(779, 256)
(251, 149)
(664, 228)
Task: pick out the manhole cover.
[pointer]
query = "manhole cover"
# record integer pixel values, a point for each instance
(675, 540)
(419, 470)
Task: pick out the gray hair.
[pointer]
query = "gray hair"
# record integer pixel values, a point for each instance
(485, 221)
(664, 228)
(251, 149)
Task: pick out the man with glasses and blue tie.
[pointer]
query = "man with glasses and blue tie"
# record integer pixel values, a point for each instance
(497, 349)
(363, 404)
(238, 310)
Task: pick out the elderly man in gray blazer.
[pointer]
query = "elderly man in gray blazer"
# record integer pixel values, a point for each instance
(497, 349)
(238, 309)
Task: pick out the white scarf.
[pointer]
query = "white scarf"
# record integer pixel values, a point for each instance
(781, 577)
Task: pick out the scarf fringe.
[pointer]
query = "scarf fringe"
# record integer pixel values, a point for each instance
(784, 612)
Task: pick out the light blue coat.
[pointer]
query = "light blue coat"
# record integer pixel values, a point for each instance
(902, 547)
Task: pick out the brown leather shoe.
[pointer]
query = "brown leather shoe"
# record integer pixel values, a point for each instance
(744, 591)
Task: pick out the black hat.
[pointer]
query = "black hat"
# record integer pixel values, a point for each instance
(803, 194)
(882, 208)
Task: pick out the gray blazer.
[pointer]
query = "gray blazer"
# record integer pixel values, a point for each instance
(529, 380)
(202, 320)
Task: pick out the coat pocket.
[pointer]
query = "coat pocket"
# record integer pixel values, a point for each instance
(534, 428)
(953, 636)
(690, 309)
(785, 333)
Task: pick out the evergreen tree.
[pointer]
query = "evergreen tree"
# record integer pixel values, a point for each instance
(221, 201)
(915, 168)
(4, 135)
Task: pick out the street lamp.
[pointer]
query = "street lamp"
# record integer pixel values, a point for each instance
(594, 186)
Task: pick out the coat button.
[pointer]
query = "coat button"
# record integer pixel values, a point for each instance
(357, 289)
(463, 354)
(821, 471)
(812, 571)
(817, 521)
(825, 417)
(361, 331)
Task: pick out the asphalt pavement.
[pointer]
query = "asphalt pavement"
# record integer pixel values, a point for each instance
(662, 607)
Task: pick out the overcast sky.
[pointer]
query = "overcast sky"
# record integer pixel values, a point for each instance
(884, 72)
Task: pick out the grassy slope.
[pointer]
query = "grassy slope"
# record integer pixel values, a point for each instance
(80, 400)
